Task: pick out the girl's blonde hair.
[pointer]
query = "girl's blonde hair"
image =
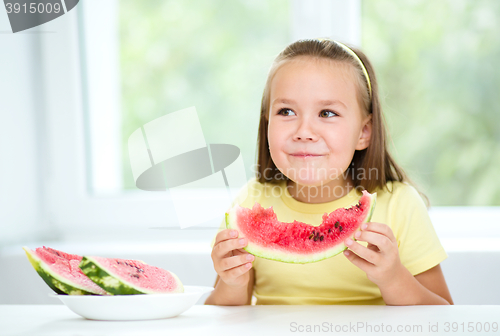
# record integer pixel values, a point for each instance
(375, 156)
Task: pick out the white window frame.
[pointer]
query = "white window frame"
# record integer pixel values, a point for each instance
(73, 209)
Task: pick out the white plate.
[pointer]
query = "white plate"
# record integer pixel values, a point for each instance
(133, 307)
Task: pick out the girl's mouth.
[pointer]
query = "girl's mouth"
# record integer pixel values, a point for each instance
(305, 156)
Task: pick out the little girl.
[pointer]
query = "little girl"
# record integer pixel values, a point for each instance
(322, 140)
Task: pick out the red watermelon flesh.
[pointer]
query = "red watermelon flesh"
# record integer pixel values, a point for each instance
(61, 272)
(299, 242)
(126, 276)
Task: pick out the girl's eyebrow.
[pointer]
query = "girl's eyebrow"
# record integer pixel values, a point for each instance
(321, 102)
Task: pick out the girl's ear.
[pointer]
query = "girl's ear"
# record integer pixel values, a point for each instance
(366, 133)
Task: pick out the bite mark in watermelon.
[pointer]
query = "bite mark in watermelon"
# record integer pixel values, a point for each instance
(127, 277)
(299, 242)
(60, 272)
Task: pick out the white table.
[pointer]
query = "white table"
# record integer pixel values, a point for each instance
(35, 320)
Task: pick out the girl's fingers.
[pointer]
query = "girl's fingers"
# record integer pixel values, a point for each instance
(381, 228)
(225, 235)
(363, 252)
(235, 261)
(377, 239)
(222, 248)
(237, 271)
(364, 265)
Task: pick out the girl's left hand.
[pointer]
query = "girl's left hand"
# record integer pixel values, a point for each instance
(380, 259)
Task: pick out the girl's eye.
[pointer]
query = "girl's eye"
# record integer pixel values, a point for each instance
(328, 111)
(284, 109)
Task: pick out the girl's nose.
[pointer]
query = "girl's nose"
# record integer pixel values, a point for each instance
(305, 132)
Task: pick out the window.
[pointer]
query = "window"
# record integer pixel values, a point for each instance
(170, 55)
(437, 66)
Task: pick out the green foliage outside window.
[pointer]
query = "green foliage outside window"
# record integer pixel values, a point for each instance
(213, 55)
(437, 66)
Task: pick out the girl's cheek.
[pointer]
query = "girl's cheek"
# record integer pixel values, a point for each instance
(274, 135)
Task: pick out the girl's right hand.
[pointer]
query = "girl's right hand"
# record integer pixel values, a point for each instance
(231, 261)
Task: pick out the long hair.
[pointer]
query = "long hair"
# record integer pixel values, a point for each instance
(375, 157)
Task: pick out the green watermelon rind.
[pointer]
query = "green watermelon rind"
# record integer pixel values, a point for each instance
(114, 285)
(288, 257)
(58, 284)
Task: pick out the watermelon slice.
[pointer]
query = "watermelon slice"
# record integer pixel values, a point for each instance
(60, 271)
(299, 242)
(126, 277)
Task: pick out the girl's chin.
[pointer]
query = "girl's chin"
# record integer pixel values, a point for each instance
(308, 176)
(310, 182)
(313, 180)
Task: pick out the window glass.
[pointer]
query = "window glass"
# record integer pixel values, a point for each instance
(437, 66)
(213, 55)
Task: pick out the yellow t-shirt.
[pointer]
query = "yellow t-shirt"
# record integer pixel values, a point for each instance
(336, 280)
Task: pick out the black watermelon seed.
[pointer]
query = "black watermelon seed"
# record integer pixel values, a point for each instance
(340, 227)
(336, 224)
(321, 238)
(315, 238)
(329, 230)
(135, 275)
(311, 236)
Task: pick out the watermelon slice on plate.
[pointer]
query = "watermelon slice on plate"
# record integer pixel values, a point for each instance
(299, 242)
(126, 277)
(60, 271)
